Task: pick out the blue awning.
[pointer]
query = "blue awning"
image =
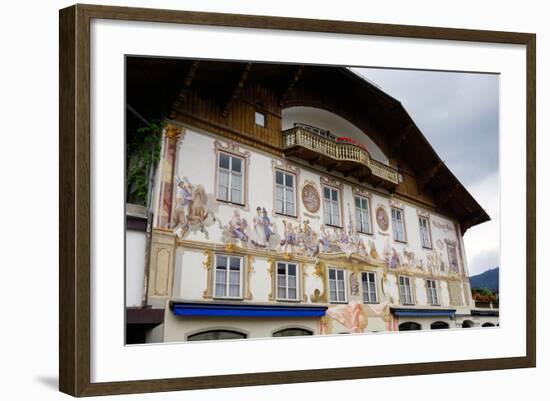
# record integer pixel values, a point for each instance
(245, 310)
(406, 312)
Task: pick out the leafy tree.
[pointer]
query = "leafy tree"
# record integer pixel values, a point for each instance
(142, 156)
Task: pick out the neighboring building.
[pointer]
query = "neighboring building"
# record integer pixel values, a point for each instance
(298, 200)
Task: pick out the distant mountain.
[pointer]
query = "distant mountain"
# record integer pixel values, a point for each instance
(487, 279)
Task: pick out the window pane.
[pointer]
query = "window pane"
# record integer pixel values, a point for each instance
(281, 268)
(259, 118)
(334, 195)
(292, 293)
(292, 270)
(332, 274)
(358, 220)
(326, 193)
(236, 181)
(340, 274)
(289, 180)
(235, 263)
(234, 290)
(221, 261)
(224, 161)
(291, 282)
(280, 206)
(236, 196)
(236, 164)
(278, 177)
(289, 193)
(357, 202)
(290, 208)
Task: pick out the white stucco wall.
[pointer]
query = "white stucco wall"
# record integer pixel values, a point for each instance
(199, 167)
(136, 243)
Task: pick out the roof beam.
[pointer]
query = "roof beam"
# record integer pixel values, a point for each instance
(189, 77)
(425, 179)
(400, 140)
(237, 89)
(291, 84)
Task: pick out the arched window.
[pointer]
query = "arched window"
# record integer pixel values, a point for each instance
(409, 326)
(467, 324)
(487, 325)
(439, 325)
(216, 335)
(292, 332)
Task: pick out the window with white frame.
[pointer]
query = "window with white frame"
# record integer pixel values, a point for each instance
(285, 193)
(398, 224)
(368, 280)
(331, 206)
(287, 281)
(337, 285)
(425, 238)
(405, 291)
(431, 287)
(230, 178)
(362, 214)
(228, 277)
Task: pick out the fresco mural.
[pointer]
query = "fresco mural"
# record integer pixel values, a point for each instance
(352, 316)
(191, 211)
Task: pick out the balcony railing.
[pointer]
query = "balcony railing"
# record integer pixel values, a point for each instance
(301, 136)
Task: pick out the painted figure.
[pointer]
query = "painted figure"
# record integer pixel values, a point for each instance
(352, 316)
(394, 262)
(309, 240)
(290, 240)
(236, 230)
(325, 239)
(258, 236)
(344, 242)
(191, 208)
(267, 224)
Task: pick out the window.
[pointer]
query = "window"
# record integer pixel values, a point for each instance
(216, 335)
(369, 287)
(230, 178)
(439, 325)
(431, 287)
(228, 277)
(337, 285)
(331, 206)
(362, 214)
(405, 292)
(287, 281)
(259, 119)
(398, 224)
(285, 195)
(425, 238)
(408, 326)
(292, 332)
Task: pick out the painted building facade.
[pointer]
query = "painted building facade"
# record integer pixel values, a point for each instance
(279, 213)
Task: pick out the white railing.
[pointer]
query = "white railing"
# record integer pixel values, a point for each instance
(299, 136)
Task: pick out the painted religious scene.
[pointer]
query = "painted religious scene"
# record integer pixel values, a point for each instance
(263, 201)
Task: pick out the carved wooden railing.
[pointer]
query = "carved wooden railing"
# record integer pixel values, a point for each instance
(300, 136)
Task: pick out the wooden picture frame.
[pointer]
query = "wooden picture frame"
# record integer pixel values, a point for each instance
(75, 207)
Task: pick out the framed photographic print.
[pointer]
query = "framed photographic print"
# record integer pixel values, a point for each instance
(250, 200)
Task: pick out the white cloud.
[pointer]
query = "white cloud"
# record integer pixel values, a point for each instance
(482, 244)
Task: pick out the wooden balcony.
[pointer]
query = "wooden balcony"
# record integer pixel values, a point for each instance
(346, 158)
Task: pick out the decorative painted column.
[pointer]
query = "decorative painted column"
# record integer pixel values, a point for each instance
(167, 167)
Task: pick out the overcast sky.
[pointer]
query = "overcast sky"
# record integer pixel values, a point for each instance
(458, 114)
